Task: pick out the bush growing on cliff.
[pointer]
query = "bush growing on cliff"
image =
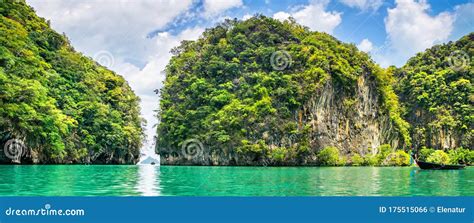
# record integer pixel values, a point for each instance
(470, 157)
(455, 156)
(425, 153)
(398, 158)
(382, 153)
(439, 156)
(329, 156)
(461, 156)
(278, 154)
(342, 161)
(357, 160)
(386, 156)
(371, 160)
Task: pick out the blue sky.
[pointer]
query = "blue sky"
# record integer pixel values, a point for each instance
(134, 37)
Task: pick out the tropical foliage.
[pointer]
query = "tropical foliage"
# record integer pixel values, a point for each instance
(330, 156)
(225, 90)
(66, 107)
(453, 156)
(436, 91)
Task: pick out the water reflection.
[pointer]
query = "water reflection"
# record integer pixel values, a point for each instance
(442, 182)
(148, 180)
(314, 181)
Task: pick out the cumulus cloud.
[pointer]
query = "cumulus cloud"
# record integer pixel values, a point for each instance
(314, 16)
(364, 5)
(144, 81)
(247, 16)
(120, 27)
(214, 7)
(411, 29)
(282, 16)
(365, 45)
(464, 20)
(464, 13)
(150, 77)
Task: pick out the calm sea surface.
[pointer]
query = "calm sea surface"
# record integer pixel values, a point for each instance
(62, 180)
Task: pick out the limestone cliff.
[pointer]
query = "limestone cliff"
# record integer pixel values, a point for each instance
(437, 92)
(261, 92)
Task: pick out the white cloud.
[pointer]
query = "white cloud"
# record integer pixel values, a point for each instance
(314, 16)
(464, 13)
(411, 29)
(151, 76)
(247, 16)
(120, 27)
(282, 16)
(464, 20)
(365, 45)
(363, 4)
(145, 81)
(214, 7)
(383, 54)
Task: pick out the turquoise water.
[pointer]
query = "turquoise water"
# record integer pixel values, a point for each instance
(62, 180)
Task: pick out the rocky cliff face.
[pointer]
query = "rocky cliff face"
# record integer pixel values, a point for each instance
(260, 92)
(353, 126)
(436, 89)
(359, 126)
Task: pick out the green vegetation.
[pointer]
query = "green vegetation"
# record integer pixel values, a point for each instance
(66, 107)
(454, 156)
(398, 158)
(461, 156)
(384, 155)
(439, 156)
(228, 90)
(329, 156)
(223, 90)
(436, 91)
(357, 160)
(424, 153)
(383, 152)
